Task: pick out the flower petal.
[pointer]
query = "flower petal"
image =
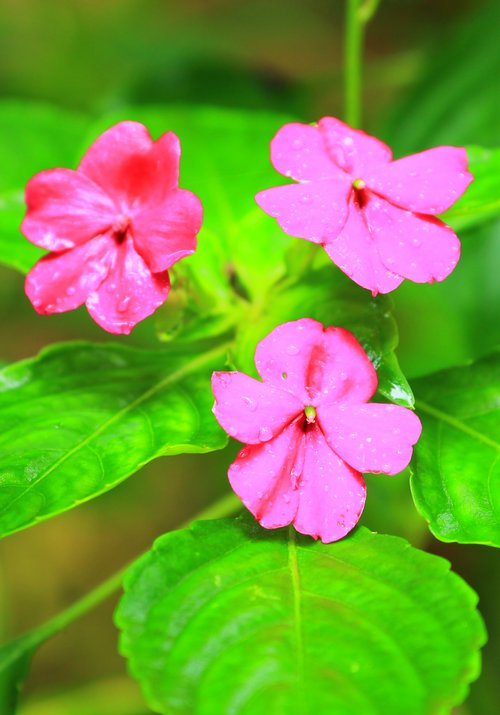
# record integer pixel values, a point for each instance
(64, 209)
(263, 477)
(63, 281)
(429, 182)
(316, 211)
(356, 253)
(373, 437)
(129, 293)
(131, 168)
(298, 150)
(249, 410)
(166, 233)
(331, 494)
(316, 364)
(418, 247)
(351, 149)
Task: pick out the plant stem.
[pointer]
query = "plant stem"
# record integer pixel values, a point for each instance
(26, 643)
(358, 14)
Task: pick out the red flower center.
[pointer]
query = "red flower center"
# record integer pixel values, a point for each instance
(360, 192)
(120, 227)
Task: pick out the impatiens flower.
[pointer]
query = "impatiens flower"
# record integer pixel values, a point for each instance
(308, 429)
(374, 217)
(114, 227)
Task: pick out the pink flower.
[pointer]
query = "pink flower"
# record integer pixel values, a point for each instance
(308, 430)
(114, 227)
(374, 217)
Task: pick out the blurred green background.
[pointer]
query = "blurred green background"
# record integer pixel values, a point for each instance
(431, 76)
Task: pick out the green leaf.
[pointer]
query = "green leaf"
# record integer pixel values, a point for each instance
(481, 201)
(33, 137)
(225, 161)
(328, 296)
(456, 479)
(80, 418)
(230, 618)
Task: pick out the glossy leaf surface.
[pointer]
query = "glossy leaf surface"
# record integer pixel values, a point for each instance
(229, 618)
(456, 463)
(79, 418)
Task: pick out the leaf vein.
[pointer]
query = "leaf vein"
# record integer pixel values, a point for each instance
(456, 423)
(177, 375)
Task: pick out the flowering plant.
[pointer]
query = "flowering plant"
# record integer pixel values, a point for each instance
(114, 227)
(310, 431)
(373, 216)
(312, 584)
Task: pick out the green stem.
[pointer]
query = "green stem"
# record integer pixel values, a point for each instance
(26, 643)
(368, 9)
(358, 14)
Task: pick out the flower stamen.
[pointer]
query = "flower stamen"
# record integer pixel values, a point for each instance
(310, 413)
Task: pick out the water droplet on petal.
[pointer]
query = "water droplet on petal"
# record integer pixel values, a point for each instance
(293, 350)
(71, 290)
(123, 304)
(265, 434)
(251, 404)
(297, 143)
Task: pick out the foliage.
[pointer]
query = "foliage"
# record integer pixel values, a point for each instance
(225, 617)
(456, 482)
(79, 404)
(271, 601)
